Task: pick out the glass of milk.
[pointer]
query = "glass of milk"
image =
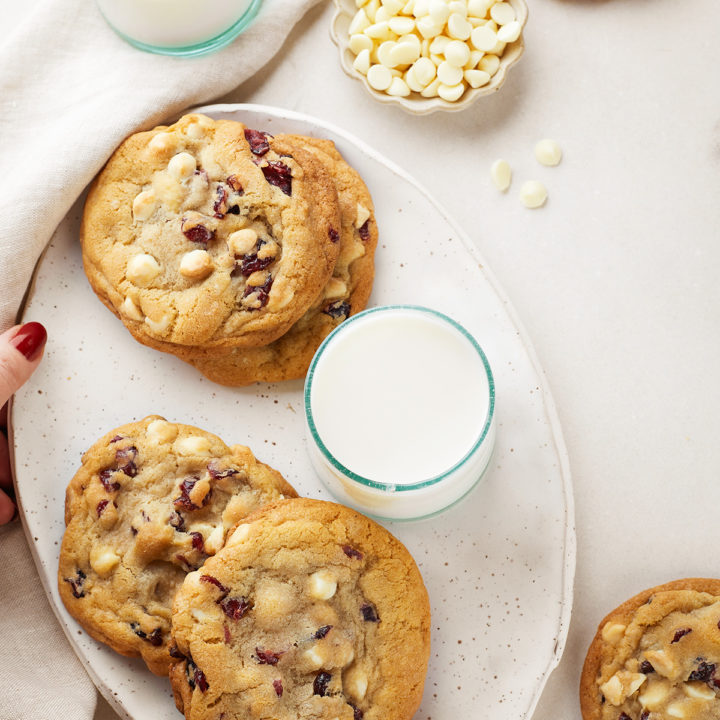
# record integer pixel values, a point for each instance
(400, 412)
(179, 27)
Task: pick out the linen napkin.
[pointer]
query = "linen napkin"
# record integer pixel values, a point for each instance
(70, 91)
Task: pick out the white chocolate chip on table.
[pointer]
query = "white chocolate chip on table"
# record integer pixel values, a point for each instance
(434, 49)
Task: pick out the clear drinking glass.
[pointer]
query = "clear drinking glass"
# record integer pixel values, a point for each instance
(179, 27)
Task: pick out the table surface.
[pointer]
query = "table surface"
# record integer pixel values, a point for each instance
(615, 279)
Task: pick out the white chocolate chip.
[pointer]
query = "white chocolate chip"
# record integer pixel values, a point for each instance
(144, 205)
(401, 25)
(699, 690)
(501, 174)
(239, 535)
(322, 585)
(131, 310)
(458, 27)
(359, 23)
(483, 38)
(613, 690)
(458, 6)
(362, 62)
(196, 264)
(510, 32)
(476, 78)
(655, 693)
(676, 710)
(449, 74)
(612, 632)
(478, 8)
(214, 541)
(404, 53)
(360, 42)
(142, 269)
(162, 142)
(632, 682)
(457, 53)
(355, 683)
(398, 88)
(192, 445)
(438, 11)
(439, 44)
(412, 81)
(533, 194)
(432, 89)
(425, 71)
(502, 13)
(314, 657)
(428, 28)
(161, 431)
(379, 77)
(160, 326)
(451, 93)
(182, 166)
(242, 241)
(548, 152)
(663, 664)
(363, 215)
(490, 64)
(103, 560)
(380, 31)
(200, 615)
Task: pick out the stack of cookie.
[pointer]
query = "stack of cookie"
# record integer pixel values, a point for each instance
(203, 561)
(234, 250)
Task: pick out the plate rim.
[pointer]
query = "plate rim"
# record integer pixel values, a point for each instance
(549, 407)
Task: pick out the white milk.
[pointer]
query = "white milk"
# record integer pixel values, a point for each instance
(172, 23)
(399, 397)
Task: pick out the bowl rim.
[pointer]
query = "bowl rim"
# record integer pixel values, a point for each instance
(345, 9)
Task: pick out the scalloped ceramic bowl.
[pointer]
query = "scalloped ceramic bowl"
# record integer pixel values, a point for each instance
(415, 103)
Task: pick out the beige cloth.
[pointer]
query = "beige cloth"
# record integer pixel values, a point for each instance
(70, 91)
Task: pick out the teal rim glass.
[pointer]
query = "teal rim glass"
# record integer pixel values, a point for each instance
(201, 48)
(389, 487)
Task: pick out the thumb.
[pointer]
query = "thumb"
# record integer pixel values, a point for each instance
(21, 349)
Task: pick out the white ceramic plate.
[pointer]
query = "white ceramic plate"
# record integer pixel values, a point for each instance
(499, 567)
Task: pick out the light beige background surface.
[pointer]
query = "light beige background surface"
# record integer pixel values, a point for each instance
(616, 279)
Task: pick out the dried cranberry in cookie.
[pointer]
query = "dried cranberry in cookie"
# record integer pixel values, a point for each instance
(160, 228)
(330, 619)
(151, 502)
(344, 294)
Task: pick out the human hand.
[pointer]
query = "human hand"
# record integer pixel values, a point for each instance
(21, 349)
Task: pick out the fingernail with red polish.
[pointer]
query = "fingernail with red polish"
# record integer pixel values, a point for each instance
(30, 340)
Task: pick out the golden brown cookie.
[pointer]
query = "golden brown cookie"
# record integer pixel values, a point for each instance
(151, 501)
(198, 234)
(310, 612)
(345, 294)
(657, 656)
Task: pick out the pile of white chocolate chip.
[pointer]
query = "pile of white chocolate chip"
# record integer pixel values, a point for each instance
(431, 47)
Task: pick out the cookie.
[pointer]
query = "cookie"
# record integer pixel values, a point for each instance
(657, 656)
(207, 233)
(346, 293)
(311, 611)
(150, 502)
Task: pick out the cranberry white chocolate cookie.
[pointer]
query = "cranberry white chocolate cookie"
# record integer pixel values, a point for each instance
(657, 656)
(206, 233)
(310, 612)
(151, 501)
(346, 293)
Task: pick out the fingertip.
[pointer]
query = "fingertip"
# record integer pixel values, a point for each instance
(7, 509)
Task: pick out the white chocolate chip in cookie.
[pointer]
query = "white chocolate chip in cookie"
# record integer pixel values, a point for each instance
(239, 535)
(268, 250)
(622, 685)
(363, 215)
(322, 585)
(242, 241)
(161, 431)
(192, 445)
(676, 710)
(654, 695)
(613, 690)
(314, 657)
(663, 664)
(131, 310)
(257, 279)
(144, 205)
(142, 269)
(182, 166)
(161, 325)
(214, 541)
(355, 682)
(335, 288)
(196, 264)
(162, 142)
(613, 632)
(103, 560)
(699, 690)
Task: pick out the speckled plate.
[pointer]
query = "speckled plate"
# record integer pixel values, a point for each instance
(499, 566)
